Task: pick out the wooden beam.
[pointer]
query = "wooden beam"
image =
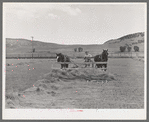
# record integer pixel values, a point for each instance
(82, 63)
(80, 68)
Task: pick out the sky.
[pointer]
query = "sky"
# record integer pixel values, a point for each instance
(69, 23)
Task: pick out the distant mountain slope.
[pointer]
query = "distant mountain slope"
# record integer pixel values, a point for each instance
(131, 40)
(25, 45)
(10, 42)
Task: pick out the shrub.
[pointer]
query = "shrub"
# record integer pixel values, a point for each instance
(129, 49)
(122, 48)
(126, 45)
(142, 34)
(75, 49)
(33, 49)
(140, 41)
(136, 48)
(135, 43)
(80, 49)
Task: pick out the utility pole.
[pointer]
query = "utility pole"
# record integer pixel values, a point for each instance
(32, 46)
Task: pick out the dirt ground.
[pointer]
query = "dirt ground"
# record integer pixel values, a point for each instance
(33, 84)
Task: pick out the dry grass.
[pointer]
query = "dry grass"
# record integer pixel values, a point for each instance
(125, 88)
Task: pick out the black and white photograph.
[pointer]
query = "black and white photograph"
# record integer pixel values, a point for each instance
(74, 60)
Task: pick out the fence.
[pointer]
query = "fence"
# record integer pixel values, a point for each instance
(127, 55)
(29, 55)
(81, 55)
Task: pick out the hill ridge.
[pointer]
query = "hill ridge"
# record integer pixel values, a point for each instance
(128, 36)
(21, 45)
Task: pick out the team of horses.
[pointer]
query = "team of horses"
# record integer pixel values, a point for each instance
(103, 57)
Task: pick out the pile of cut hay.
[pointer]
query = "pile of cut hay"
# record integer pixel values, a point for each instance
(12, 100)
(52, 83)
(72, 74)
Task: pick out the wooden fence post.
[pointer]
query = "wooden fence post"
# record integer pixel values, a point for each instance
(137, 55)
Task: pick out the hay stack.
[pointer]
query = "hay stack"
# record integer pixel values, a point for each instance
(72, 74)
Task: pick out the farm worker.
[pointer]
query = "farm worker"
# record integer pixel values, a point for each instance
(87, 58)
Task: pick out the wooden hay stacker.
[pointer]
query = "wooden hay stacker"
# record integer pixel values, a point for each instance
(78, 65)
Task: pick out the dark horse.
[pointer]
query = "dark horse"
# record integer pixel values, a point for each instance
(62, 58)
(102, 58)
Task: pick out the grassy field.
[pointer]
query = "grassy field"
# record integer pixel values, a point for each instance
(127, 91)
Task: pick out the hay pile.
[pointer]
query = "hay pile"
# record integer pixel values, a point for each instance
(86, 74)
(53, 82)
(54, 79)
(12, 100)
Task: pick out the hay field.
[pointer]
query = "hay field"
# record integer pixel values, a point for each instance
(43, 87)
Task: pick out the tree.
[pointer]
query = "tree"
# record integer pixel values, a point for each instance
(129, 49)
(80, 49)
(136, 48)
(33, 49)
(75, 49)
(122, 48)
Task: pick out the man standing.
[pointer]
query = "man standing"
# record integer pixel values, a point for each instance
(87, 58)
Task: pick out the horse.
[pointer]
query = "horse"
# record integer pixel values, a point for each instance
(62, 58)
(102, 58)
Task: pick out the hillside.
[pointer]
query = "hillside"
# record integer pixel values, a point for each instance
(25, 46)
(136, 39)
